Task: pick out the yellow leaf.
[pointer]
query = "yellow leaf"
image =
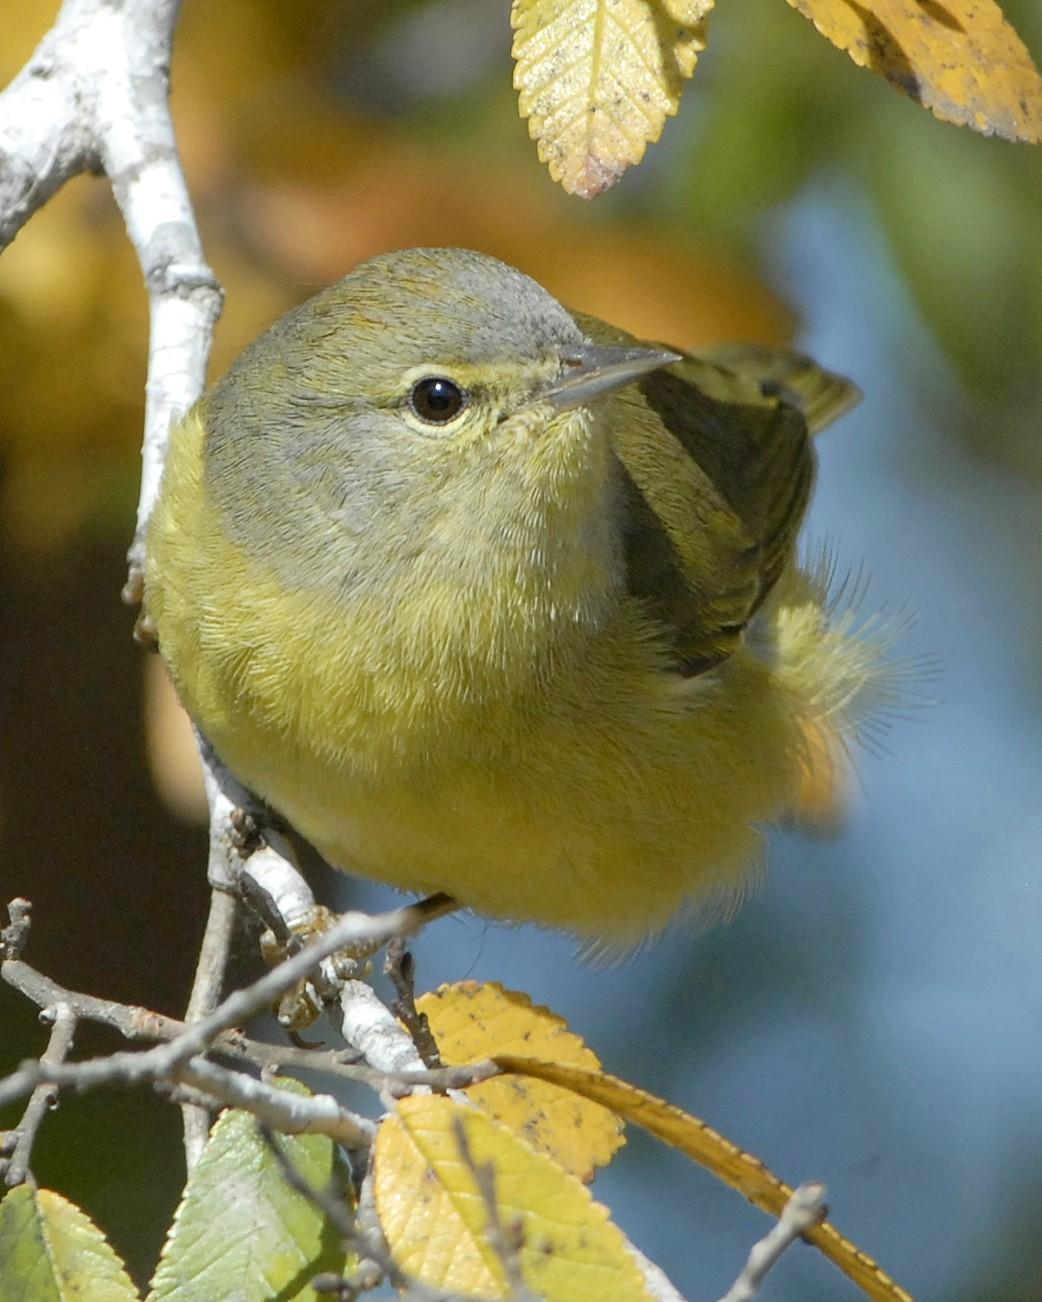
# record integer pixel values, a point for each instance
(471, 1022)
(436, 1221)
(710, 1149)
(959, 58)
(598, 78)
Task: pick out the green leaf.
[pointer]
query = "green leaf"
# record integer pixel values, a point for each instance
(51, 1251)
(241, 1231)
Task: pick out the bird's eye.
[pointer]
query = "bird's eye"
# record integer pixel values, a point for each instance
(436, 399)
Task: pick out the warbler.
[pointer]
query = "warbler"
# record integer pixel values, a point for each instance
(485, 596)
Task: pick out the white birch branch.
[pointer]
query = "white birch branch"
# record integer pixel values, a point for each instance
(369, 1026)
(94, 96)
(805, 1209)
(291, 1114)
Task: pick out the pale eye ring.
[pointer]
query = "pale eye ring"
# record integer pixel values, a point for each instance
(437, 400)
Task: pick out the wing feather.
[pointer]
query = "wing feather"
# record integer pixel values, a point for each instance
(717, 469)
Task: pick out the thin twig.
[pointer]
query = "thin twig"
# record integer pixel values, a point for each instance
(206, 994)
(213, 1086)
(505, 1240)
(407, 1289)
(213, 957)
(332, 1205)
(399, 966)
(132, 1021)
(135, 1023)
(805, 1209)
(202, 1084)
(15, 936)
(314, 1114)
(269, 857)
(251, 853)
(43, 1099)
(361, 1233)
(164, 1060)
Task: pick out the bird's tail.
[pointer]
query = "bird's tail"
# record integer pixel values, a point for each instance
(822, 396)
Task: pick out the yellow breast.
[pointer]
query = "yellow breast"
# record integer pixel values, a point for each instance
(533, 765)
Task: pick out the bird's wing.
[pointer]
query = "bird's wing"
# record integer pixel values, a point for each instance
(717, 470)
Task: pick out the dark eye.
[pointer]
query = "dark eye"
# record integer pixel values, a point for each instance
(436, 399)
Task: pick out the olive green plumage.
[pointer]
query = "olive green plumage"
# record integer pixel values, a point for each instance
(486, 597)
(725, 435)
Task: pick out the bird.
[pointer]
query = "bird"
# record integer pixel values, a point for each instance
(486, 597)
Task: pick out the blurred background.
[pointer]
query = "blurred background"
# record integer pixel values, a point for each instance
(873, 1018)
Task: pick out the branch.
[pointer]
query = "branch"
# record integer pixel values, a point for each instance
(369, 1026)
(315, 1114)
(206, 992)
(135, 1023)
(46, 132)
(401, 968)
(373, 1259)
(805, 1209)
(44, 1096)
(250, 854)
(95, 97)
(166, 1059)
(505, 1240)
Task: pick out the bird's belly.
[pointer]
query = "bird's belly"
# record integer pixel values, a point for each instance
(602, 814)
(596, 795)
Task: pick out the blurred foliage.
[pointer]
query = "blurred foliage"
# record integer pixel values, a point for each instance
(293, 184)
(316, 137)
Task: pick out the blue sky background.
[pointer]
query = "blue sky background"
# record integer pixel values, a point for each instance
(873, 1017)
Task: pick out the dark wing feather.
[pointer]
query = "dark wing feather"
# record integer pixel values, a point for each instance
(717, 468)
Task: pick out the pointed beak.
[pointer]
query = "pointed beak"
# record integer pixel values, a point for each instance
(593, 370)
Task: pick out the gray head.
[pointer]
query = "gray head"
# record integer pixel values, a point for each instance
(405, 391)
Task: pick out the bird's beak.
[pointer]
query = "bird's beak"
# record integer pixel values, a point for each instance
(593, 370)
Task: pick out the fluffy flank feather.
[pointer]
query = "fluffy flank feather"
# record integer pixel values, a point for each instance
(835, 658)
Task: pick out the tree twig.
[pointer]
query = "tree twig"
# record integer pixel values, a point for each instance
(314, 1114)
(165, 1059)
(805, 1209)
(505, 1240)
(213, 1086)
(333, 1205)
(43, 1098)
(15, 936)
(206, 993)
(400, 967)
(135, 1023)
(251, 854)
